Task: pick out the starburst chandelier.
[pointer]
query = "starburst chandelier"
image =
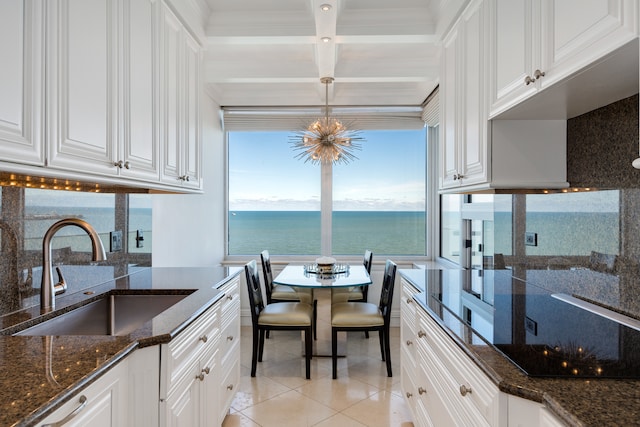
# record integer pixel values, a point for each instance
(326, 140)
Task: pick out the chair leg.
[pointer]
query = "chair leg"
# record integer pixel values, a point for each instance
(254, 352)
(261, 345)
(334, 352)
(381, 335)
(315, 319)
(387, 347)
(307, 351)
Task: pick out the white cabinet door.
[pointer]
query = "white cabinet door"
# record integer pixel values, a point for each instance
(182, 407)
(576, 33)
(513, 47)
(464, 149)
(82, 91)
(538, 43)
(139, 142)
(21, 73)
(180, 82)
(102, 404)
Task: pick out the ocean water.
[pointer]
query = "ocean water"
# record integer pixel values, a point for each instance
(39, 218)
(298, 232)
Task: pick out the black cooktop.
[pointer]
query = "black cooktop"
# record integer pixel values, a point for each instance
(543, 335)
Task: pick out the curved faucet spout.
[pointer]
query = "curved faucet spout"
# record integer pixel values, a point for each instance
(48, 289)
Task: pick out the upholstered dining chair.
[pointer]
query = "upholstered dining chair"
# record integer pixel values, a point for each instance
(283, 293)
(358, 316)
(286, 316)
(357, 293)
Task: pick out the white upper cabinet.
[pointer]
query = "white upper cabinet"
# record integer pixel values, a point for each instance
(21, 83)
(465, 132)
(535, 44)
(102, 87)
(139, 146)
(180, 75)
(82, 85)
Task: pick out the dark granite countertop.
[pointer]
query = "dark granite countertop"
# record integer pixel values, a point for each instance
(576, 401)
(38, 374)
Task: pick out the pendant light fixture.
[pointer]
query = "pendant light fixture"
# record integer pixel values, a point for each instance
(326, 140)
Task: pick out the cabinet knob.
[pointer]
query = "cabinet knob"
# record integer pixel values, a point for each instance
(421, 334)
(230, 387)
(206, 370)
(464, 390)
(409, 342)
(204, 338)
(118, 164)
(184, 178)
(200, 377)
(537, 74)
(409, 395)
(127, 165)
(230, 338)
(421, 391)
(528, 80)
(409, 300)
(229, 297)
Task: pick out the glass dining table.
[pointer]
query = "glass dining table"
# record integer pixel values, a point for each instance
(323, 285)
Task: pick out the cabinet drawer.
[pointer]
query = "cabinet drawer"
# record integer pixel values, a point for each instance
(228, 386)
(230, 336)
(231, 291)
(456, 371)
(180, 353)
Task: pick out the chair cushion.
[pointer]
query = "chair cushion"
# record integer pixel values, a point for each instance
(286, 314)
(287, 293)
(355, 314)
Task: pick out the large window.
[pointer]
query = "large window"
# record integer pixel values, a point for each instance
(378, 200)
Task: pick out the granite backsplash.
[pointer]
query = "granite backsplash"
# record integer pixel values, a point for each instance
(27, 213)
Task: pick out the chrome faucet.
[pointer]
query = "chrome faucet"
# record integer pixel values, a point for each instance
(48, 290)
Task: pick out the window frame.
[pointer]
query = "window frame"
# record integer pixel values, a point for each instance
(326, 206)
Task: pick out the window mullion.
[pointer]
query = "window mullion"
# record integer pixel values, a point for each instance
(326, 207)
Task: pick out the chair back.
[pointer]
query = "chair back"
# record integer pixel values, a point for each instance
(368, 258)
(267, 274)
(256, 302)
(386, 294)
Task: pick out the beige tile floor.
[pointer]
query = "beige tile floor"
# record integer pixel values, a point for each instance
(279, 395)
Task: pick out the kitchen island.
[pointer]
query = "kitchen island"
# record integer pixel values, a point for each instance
(39, 374)
(485, 317)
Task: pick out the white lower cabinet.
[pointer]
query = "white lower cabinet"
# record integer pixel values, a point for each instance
(187, 373)
(102, 404)
(444, 387)
(229, 355)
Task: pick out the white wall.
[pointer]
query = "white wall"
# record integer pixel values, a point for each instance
(188, 229)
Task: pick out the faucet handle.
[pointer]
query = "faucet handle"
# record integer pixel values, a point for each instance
(61, 286)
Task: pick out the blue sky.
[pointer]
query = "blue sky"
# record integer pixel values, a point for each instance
(388, 174)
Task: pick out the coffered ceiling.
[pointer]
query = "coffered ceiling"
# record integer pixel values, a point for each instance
(272, 52)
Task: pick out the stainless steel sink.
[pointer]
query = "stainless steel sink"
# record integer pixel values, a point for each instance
(111, 315)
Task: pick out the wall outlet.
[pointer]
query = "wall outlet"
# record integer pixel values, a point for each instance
(115, 241)
(531, 239)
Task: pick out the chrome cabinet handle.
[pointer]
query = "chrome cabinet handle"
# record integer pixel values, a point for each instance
(230, 387)
(409, 395)
(409, 342)
(528, 80)
(457, 176)
(200, 377)
(230, 338)
(120, 164)
(464, 390)
(421, 391)
(537, 74)
(229, 297)
(204, 372)
(409, 300)
(421, 334)
(184, 178)
(204, 338)
(72, 414)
